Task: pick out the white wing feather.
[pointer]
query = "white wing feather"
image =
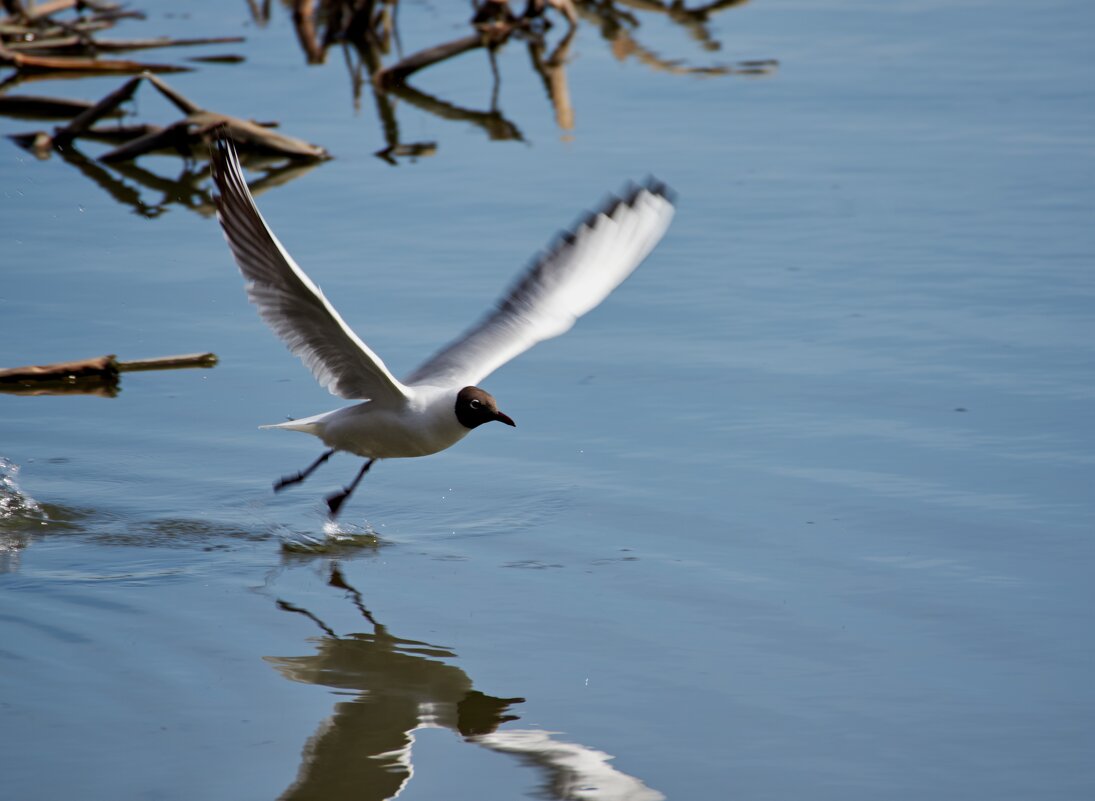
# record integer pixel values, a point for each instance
(286, 298)
(572, 277)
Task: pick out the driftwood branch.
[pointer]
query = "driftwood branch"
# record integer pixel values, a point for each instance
(29, 62)
(35, 40)
(81, 44)
(169, 362)
(399, 72)
(43, 10)
(185, 136)
(183, 104)
(96, 376)
(107, 105)
(174, 137)
(99, 367)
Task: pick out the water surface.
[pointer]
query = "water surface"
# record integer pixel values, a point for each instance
(803, 511)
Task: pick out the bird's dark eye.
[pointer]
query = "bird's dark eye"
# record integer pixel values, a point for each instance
(474, 403)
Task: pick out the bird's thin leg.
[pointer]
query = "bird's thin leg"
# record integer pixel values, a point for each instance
(296, 478)
(334, 502)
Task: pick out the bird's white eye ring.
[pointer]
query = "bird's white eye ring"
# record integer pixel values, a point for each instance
(474, 403)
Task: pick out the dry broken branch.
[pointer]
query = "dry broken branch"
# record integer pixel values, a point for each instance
(28, 62)
(82, 44)
(185, 136)
(96, 376)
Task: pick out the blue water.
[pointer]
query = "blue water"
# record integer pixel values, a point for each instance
(804, 510)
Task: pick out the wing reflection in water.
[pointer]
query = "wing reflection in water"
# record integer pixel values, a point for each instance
(574, 771)
(363, 751)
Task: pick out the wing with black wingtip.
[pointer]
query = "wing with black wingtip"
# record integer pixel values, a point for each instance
(578, 271)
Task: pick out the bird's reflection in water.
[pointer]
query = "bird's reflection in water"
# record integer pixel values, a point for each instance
(363, 750)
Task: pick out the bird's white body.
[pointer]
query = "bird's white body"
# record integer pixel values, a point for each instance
(439, 403)
(422, 424)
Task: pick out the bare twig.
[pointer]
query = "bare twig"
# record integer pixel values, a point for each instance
(25, 61)
(170, 362)
(182, 103)
(399, 72)
(174, 137)
(107, 105)
(82, 44)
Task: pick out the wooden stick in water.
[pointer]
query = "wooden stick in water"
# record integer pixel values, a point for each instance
(101, 367)
(170, 362)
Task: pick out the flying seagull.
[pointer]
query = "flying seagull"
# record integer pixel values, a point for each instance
(435, 406)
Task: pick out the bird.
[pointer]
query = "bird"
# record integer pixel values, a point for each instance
(440, 402)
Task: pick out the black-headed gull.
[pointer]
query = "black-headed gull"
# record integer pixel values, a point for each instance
(436, 406)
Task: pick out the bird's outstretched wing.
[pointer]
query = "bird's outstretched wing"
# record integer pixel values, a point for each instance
(286, 298)
(572, 276)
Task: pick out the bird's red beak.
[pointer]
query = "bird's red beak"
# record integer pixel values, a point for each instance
(504, 418)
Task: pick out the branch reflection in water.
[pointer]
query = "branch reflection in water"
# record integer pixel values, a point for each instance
(187, 189)
(364, 750)
(368, 32)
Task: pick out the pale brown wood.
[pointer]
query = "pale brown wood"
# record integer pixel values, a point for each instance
(170, 362)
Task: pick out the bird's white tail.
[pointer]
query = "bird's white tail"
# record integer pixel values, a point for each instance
(309, 425)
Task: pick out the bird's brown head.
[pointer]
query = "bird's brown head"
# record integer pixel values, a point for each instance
(475, 407)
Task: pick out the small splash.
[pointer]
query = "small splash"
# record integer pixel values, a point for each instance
(14, 503)
(336, 537)
(18, 512)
